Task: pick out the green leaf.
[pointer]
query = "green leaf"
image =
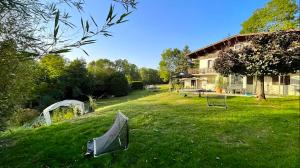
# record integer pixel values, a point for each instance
(94, 21)
(56, 25)
(85, 52)
(122, 17)
(87, 26)
(111, 10)
(55, 33)
(60, 51)
(81, 20)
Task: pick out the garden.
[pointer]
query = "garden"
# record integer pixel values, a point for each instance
(167, 130)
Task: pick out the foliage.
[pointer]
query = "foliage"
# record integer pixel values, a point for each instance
(150, 76)
(276, 15)
(136, 85)
(265, 133)
(17, 71)
(27, 22)
(22, 116)
(92, 104)
(54, 65)
(222, 82)
(76, 81)
(131, 71)
(62, 114)
(173, 62)
(117, 84)
(268, 54)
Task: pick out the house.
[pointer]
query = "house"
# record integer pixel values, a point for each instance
(205, 77)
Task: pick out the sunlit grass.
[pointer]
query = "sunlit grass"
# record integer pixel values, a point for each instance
(168, 130)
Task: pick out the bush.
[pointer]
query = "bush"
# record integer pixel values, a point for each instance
(63, 113)
(92, 104)
(136, 85)
(117, 84)
(21, 116)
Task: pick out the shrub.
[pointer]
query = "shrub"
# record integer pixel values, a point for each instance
(62, 113)
(21, 116)
(136, 85)
(117, 84)
(92, 104)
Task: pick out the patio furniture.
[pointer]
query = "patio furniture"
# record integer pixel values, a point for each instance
(185, 91)
(152, 88)
(216, 101)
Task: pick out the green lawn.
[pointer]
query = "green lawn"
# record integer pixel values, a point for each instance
(168, 130)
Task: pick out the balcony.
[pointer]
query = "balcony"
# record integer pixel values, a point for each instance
(193, 71)
(207, 70)
(201, 71)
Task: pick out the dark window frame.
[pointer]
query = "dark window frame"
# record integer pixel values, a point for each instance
(284, 80)
(193, 82)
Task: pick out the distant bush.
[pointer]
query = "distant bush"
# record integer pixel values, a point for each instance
(21, 116)
(117, 84)
(136, 85)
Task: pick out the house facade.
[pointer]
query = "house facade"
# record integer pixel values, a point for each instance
(205, 77)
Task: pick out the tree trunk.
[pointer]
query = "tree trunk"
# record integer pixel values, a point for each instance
(170, 84)
(260, 94)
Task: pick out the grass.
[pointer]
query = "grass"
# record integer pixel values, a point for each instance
(168, 130)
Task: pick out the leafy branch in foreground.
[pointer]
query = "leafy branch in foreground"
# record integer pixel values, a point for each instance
(27, 23)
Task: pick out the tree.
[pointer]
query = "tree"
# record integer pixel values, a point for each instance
(149, 76)
(131, 71)
(276, 15)
(17, 74)
(172, 63)
(99, 71)
(269, 54)
(117, 84)
(54, 65)
(76, 81)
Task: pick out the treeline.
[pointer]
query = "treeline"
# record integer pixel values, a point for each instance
(27, 82)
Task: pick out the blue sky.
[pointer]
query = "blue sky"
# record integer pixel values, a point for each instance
(160, 24)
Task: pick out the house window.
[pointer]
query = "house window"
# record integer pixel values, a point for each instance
(249, 80)
(284, 80)
(211, 79)
(236, 79)
(193, 82)
(275, 80)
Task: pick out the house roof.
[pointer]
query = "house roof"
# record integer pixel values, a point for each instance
(225, 43)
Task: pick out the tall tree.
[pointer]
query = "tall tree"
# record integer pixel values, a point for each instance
(17, 74)
(149, 76)
(130, 70)
(173, 62)
(99, 71)
(276, 15)
(76, 81)
(54, 65)
(270, 54)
